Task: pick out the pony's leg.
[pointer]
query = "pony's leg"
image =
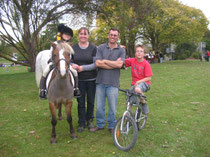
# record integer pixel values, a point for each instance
(59, 112)
(53, 122)
(69, 119)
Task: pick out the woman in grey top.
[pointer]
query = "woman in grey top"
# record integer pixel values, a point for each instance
(84, 63)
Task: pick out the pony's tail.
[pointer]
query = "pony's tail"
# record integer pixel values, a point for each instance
(38, 69)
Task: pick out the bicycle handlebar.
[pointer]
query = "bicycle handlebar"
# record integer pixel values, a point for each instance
(130, 93)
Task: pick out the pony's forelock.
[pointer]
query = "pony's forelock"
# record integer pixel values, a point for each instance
(65, 46)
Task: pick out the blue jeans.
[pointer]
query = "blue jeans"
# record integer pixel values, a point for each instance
(87, 88)
(111, 93)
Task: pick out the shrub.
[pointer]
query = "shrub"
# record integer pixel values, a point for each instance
(196, 55)
(183, 56)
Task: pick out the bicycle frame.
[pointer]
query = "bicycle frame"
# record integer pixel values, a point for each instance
(126, 113)
(129, 112)
(141, 116)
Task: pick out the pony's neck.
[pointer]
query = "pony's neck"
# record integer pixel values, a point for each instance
(61, 81)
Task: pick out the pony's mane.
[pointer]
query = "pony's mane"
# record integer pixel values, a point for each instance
(66, 46)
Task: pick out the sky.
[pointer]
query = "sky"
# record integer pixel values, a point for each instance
(203, 5)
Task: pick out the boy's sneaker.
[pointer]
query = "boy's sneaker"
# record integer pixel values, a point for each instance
(145, 109)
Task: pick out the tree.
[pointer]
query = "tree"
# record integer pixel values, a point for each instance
(23, 20)
(206, 38)
(47, 36)
(172, 22)
(5, 48)
(127, 16)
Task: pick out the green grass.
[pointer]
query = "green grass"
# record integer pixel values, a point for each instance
(178, 123)
(2, 60)
(13, 70)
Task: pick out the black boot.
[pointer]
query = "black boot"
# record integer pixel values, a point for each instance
(77, 92)
(42, 86)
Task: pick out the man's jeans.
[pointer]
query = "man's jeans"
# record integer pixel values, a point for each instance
(111, 93)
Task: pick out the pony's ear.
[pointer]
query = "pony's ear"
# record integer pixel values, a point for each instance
(71, 44)
(53, 45)
(71, 49)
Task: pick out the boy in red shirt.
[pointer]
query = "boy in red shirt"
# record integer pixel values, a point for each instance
(141, 74)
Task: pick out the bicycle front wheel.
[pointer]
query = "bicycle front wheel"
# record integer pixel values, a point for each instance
(125, 133)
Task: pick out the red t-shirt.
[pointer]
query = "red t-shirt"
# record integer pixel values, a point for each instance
(207, 53)
(139, 70)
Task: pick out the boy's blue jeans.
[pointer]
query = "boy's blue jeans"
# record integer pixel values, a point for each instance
(111, 93)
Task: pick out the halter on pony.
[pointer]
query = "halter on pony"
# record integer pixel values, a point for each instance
(61, 55)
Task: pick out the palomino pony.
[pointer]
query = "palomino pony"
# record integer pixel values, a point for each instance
(59, 82)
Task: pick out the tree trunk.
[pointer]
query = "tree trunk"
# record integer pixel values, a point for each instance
(32, 64)
(131, 44)
(31, 51)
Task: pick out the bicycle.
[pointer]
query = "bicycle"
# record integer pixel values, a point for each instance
(125, 132)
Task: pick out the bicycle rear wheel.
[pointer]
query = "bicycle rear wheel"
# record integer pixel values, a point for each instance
(125, 137)
(140, 118)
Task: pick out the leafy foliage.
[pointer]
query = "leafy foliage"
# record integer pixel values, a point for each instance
(206, 39)
(127, 16)
(185, 50)
(165, 25)
(28, 25)
(22, 21)
(4, 48)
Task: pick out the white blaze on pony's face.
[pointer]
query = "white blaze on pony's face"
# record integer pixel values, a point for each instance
(61, 55)
(62, 63)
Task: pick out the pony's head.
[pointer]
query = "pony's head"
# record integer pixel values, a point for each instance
(61, 55)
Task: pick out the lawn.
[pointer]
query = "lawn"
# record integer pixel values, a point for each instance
(178, 123)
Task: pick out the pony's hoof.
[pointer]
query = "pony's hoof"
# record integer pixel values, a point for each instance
(60, 118)
(74, 136)
(53, 141)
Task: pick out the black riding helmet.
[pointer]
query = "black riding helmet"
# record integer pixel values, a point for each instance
(60, 27)
(67, 30)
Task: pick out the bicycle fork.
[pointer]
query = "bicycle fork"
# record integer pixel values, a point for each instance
(124, 128)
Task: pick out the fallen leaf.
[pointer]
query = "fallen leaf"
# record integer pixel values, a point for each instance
(32, 132)
(165, 146)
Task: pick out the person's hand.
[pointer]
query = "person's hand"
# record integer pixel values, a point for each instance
(119, 60)
(123, 46)
(75, 66)
(80, 69)
(136, 84)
